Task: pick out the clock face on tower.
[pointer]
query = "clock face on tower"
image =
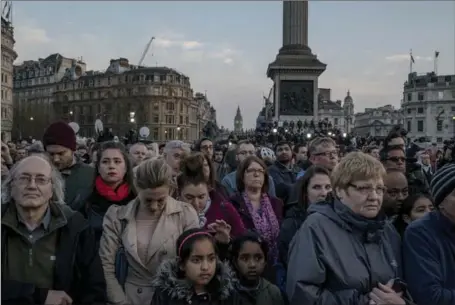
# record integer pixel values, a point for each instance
(237, 122)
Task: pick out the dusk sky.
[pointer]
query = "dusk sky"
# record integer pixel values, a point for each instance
(225, 47)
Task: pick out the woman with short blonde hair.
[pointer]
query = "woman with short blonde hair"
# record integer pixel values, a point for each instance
(351, 253)
(148, 228)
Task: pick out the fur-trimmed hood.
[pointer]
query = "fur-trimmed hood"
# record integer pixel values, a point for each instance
(166, 281)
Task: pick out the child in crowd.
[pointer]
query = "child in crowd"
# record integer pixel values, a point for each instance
(197, 276)
(248, 258)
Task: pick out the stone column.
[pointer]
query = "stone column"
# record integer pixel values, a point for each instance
(295, 22)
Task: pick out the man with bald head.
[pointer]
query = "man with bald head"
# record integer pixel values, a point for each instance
(44, 241)
(396, 192)
(138, 153)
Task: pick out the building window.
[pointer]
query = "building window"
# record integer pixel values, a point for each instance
(409, 110)
(420, 96)
(409, 126)
(156, 107)
(439, 125)
(169, 119)
(409, 97)
(439, 140)
(420, 110)
(156, 133)
(419, 126)
(335, 121)
(169, 133)
(170, 106)
(156, 118)
(440, 95)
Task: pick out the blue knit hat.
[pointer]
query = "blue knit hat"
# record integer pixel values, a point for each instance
(443, 183)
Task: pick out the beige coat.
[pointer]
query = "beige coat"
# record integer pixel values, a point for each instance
(176, 218)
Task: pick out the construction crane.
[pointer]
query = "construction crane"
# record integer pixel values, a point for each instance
(147, 47)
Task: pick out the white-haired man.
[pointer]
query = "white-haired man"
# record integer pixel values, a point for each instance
(49, 252)
(174, 152)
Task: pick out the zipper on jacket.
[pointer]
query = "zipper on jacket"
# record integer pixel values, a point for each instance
(30, 256)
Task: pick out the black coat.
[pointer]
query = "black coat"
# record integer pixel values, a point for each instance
(294, 218)
(78, 270)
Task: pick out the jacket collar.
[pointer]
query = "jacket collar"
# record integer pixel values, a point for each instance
(167, 281)
(58, 216)
(129, 212)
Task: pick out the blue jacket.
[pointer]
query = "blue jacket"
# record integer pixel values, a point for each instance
(429, 259)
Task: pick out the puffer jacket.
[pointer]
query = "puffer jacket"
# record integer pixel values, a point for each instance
(170, 289)
(338, 257)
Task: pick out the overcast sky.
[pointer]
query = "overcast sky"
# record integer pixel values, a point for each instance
(225, 47)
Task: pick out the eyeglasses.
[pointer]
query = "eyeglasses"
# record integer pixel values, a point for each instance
(255, 171)
(368, 189)
(26, 180)
(397, 159)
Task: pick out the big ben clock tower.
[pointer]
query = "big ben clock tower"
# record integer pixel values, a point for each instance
(238, 121)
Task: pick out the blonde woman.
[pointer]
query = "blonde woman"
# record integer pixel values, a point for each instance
(147, 228)
(346, 252)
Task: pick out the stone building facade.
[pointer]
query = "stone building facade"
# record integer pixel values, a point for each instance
(204, 113)
(340, 115)
(34, 88)
(377, 122)
(7, 102)
(159, 98)
(429, 106)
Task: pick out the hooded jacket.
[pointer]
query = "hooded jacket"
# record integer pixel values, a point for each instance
(172, 290)
(338, 257)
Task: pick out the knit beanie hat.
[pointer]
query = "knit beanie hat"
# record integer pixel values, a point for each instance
(442, 183)
(60, 133)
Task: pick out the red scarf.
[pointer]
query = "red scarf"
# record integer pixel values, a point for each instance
(109, 193)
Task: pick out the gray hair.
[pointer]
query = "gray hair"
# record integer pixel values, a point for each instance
(175, 144)
(36, 147)
(58, 184)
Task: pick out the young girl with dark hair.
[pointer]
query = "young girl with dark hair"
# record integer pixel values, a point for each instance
(249, 258)
(196, 276)
(413, 208)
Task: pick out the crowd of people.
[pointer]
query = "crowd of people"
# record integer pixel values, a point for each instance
(305, 222)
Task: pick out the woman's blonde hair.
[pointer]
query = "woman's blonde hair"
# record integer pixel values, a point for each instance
(153, 173)
(356, 166)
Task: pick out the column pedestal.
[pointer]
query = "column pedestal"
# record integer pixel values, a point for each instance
(296, 69)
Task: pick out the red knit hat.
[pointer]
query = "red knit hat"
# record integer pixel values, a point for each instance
(60, 133)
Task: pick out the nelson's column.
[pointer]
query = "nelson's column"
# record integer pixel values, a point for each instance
(296, 69)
